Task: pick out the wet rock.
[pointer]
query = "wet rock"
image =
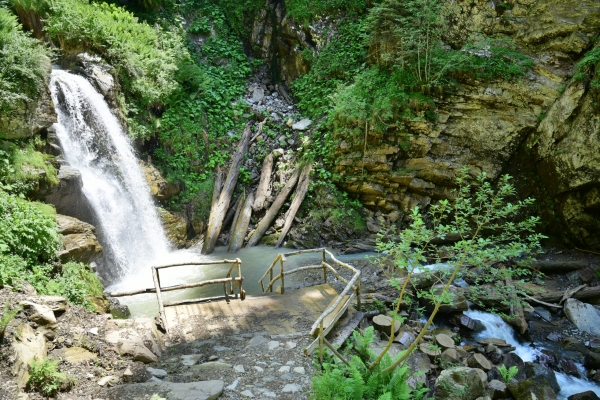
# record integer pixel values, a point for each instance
(479, 361)
(497, 389)
(418, 362)
(118, 310)
(568, 367)
(160, 188)
(583, 316)
(589, 395)
(512, 360)
(202, 390)
(460, 383)
(464, 321)
(459, 301)
(68, 198)
(535, 369)
(554, 337)
(591, 360)
(100, 76)
(547, 359)
(537, 386)
(175, 225)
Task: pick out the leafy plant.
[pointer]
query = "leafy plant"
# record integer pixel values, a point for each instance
(508, 374)
(490, 232)
(24, 65)
(78, 283)
(354, 380)
(45, 377)
(305, 11)
(6, 317)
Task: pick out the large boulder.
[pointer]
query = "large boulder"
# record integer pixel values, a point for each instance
(161, 188)
(583, 316)
(535, 369)
(79, 240)
(175, 225)
(537, 387)
(137, 337)
(460, 383)
(27, 346)
(68, 198)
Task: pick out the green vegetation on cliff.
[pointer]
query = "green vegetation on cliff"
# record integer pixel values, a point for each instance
(24, 64)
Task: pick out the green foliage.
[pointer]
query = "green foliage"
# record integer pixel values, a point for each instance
(23, 169)
(45, 377)
(356, 381)
(508, 374)
(337, 63)
(27, 232)
(493, 237)
(205, 112)
(145, 57)
(7, 316)
(78, 283)
(587, 68)
(24, 65)
(305, 11)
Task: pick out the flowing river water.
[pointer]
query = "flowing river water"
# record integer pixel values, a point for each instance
(130, 230)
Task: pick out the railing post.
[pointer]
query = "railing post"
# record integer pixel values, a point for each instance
(281, 273)
(323, 260)
(358, 305)
(161, 307)
(321, 342)
(271, 277)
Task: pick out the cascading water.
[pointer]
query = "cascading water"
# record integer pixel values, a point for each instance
(94, 142)
(497, 328)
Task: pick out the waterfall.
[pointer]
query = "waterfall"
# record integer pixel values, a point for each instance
(94, 142)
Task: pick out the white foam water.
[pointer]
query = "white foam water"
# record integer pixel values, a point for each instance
(94, 142)
(497, 328)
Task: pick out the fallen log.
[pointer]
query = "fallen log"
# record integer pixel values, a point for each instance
(240, 227)
(217, 188)
(217, 213)
(557, 266)
(265, 223)
(263, 185)
(346, 330)
(235, 211)
(299, 194)
(588, 293)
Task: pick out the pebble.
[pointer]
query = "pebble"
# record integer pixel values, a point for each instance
(284, 369)
(233, 385)
(190, 359)
(93, 331)
(273, 345)
(290, 345)
(239, 368)
(299, 370)
(258, 369)
(291, 388)
(159, 373)
(247, 393)
(221, 348)
(213, 358)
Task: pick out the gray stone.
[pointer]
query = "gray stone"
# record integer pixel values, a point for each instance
(138, 350)
(497, 389)
(74, 355)
(273, 344)
(290, 345)
(239, 369)
(258, 369)
(535, 369)
(257, 340)
(537, 386)
(159, 373)
(190, 359)
(291, 388)
(460, 383)
(109, 380)
(42, 314)
(302, 125)
(285, 369)
(258, 95)
(247, 393)
(202, 390)
(213, 366)
(233, 385)
(583, 316)
(299, 370)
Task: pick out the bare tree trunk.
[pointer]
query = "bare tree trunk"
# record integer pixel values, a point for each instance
(217, 212)
(265, 223)
(299, 194)
(236, 209)
(217, 188)
(263, 185)
(240, 226)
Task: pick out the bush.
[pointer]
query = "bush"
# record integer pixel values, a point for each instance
(24, 64)
(27, 232)
(78, 283)
(45, 377)
(7, 316)
(24, 170)
(305, 11)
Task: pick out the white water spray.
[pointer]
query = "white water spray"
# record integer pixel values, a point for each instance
(94, 142)
(495, 327)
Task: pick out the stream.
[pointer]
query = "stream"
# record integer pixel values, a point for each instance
(497, 328)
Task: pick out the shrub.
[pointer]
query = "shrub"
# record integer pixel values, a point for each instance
(6, 317)
(45, 377)
(78, 283)
(24, 64)
(305, 11)
(24, 170)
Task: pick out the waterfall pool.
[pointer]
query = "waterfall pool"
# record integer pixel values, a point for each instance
(255, 261)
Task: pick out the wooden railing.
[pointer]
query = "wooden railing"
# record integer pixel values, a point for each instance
(331, 315)
(234, 283)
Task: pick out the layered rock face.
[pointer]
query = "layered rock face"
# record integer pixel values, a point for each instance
(79, 239)
(482, 125)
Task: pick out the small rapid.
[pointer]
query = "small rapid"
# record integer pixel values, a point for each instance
(94, 142)
(497, 328)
